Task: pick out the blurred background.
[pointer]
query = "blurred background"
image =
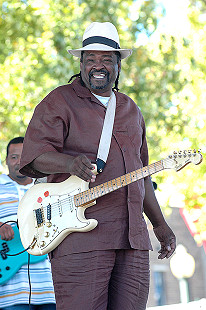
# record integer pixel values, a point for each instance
(166, 77)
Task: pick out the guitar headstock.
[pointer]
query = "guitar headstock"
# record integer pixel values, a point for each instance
(180, 159)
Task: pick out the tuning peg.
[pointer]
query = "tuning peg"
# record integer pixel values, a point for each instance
(174, 154)
(189, 153)
(184, 153)
(180, 154)
(194, 152)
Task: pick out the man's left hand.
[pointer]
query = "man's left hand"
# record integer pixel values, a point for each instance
(167, 240)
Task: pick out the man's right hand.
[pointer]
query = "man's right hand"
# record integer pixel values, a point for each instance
(54, 162)
(82, 167)
(6, 232)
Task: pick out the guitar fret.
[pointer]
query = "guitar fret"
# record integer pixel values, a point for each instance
(117, 182)
(120, 180)
(112, 185)
(86, 198)
(124, 182)
(108, 187)
(102, 189)
(97, 192)
(90, 194)
(81, 198)
(138, 175)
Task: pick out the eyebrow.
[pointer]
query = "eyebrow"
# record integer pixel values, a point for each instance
(104, 55)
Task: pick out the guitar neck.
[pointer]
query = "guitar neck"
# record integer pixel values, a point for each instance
(110, 186)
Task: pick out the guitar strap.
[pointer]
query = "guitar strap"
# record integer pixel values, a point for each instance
(105, 140)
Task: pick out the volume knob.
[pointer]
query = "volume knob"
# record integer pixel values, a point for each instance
(42, 243)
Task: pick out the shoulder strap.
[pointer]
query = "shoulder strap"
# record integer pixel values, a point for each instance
(105, 140)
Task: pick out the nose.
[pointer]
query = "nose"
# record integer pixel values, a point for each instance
(98, 64)
(18, 160)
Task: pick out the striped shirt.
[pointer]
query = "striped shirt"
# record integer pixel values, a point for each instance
(16, 290)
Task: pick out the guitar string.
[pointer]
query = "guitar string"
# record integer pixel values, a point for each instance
(62, 204)
(109, 186)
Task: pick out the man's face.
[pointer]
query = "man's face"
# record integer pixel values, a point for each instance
(13, 161)
(99, 71)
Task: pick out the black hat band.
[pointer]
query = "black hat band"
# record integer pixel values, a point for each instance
(101, 40)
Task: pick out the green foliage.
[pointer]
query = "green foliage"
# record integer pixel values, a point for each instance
(34, 38)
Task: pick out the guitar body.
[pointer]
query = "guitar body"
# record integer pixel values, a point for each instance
(9, 265)
(56, 215)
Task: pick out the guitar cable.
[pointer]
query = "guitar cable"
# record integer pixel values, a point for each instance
(28, 265)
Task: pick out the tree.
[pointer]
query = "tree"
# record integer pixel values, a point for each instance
(34, 37)
(187, 188)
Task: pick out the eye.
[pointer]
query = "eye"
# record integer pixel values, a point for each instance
(89, 61)
(14, 157)
(108, 60)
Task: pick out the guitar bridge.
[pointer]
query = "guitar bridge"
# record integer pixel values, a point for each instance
(39, 216)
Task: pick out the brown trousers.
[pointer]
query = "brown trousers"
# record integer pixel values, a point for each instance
(102, 280)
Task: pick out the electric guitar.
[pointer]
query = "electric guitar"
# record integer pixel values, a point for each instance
(49, 212)
(9, 265)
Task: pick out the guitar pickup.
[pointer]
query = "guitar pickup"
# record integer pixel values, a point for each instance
(49, 212)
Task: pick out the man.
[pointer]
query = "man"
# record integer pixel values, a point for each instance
(14, 294)
(108, 267)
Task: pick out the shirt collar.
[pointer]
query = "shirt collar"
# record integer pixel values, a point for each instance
(84, 92)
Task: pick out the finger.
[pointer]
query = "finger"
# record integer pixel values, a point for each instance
(171, 252)
(86, 174)
(167, 252)
(87, 162)
(8, 234)
(88, 168)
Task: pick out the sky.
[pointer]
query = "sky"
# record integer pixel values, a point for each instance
(175, 21)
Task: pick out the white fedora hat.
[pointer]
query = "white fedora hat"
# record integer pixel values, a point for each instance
(101, 37)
